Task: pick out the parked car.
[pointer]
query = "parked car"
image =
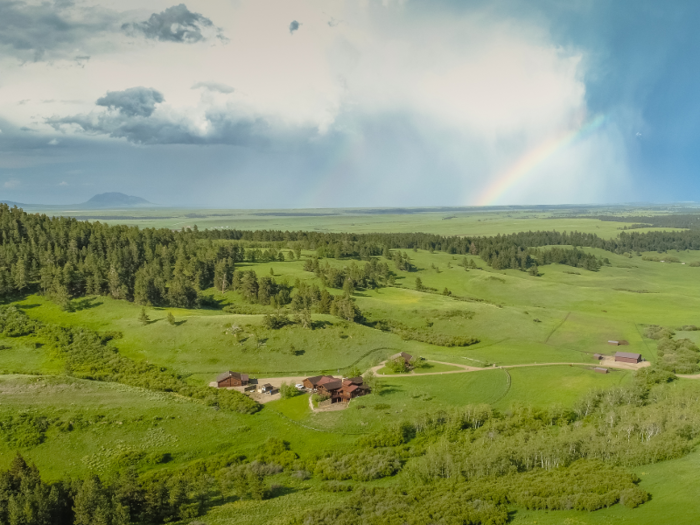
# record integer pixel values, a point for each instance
(300, 386)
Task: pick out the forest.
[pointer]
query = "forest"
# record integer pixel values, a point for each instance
(69, 258)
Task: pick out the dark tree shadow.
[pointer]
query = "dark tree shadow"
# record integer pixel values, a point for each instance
(27, 306)
(280, 490)
(86, 303)
(390, 390)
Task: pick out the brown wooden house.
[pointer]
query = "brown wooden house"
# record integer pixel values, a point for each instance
(352, 387)
(330, 388)
(628, 357)
(228, 379)
(311, 383)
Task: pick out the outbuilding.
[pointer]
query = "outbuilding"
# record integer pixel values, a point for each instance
(628, 357)
(267, 388)
(228, 379)
(402, 355)
(600, 370)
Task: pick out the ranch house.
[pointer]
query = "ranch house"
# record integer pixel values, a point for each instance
(338, 390)
(311, 383)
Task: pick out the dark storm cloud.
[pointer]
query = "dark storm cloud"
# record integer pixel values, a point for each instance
(50, 30)
(131, 115)
(214, 86)
(136, 101)
(293, 26)
(175, 24)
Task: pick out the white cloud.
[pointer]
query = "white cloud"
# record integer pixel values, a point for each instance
(54, 142)
(63, 183)
(11, 184)
(479, 90)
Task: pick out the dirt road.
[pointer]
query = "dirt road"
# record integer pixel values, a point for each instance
(607, 362)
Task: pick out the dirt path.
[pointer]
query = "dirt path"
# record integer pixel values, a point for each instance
(604, 363)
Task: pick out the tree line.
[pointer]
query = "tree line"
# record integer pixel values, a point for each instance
(67, 258)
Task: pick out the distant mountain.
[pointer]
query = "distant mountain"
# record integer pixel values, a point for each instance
(115, 200)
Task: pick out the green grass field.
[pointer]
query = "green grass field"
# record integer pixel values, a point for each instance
(563, 316)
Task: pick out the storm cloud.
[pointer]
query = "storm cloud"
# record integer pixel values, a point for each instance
(175, 24)
(136, 115)
(51, 30)
(136, 101)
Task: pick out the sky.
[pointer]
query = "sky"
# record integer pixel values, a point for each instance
(334, 103)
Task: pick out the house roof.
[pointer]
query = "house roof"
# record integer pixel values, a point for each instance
(332, 385)
(600, 369)
(356, 380)
(404, 355)
(267, 385)
(350, 388)
(316, 380)
(326, 379)
(628, 355)
(226, 375)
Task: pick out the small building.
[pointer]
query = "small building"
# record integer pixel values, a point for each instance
(267, 388)
(402, 355)
(228, 379)
(628, 357)
(600, 370)
(598, 356)
(614, 343)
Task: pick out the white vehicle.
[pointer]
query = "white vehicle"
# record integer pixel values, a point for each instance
(300, 386)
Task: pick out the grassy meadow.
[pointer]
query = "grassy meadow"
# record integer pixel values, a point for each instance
(556, 320)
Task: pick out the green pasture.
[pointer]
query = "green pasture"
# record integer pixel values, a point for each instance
(111, 421)
(565, 315)
(427, 368)
(476, 222)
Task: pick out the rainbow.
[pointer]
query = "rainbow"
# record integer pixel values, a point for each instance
(534, 158)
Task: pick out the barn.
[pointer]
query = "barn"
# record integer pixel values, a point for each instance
(627, 357)
(600, 370)
(228, 379)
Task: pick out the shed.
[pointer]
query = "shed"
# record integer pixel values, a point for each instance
(598, 356)
(600, 370)
(614, 343)
(229, 378)
(402, 355)
(265, 389)
(627, 357)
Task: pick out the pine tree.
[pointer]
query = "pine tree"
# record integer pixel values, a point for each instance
(171, 318)
(143, 317)
(419, 284)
